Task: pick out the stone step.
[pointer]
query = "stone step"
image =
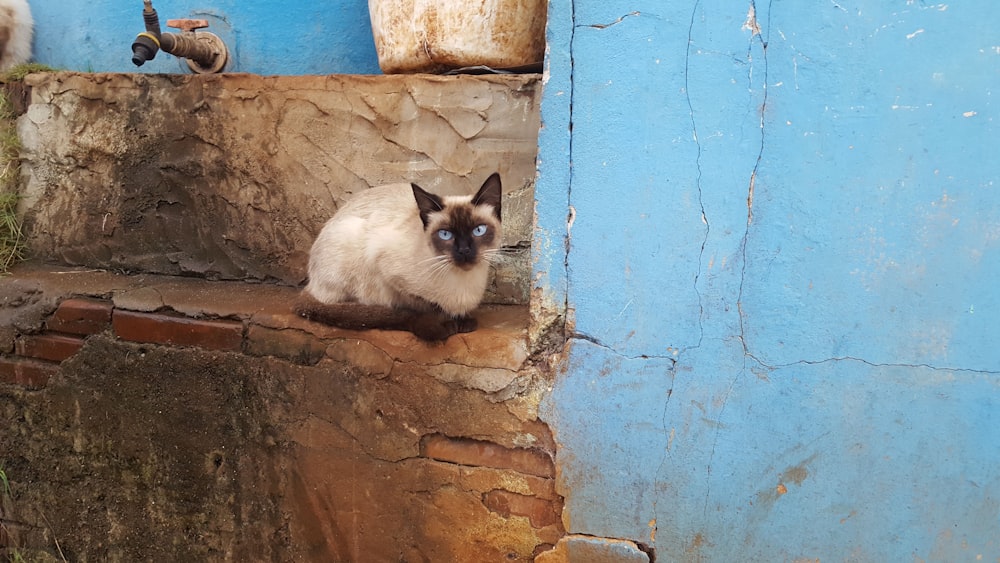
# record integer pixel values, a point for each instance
(49, 309)
(232, 176)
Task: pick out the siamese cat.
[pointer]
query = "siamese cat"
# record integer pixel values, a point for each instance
(397, 257)
(16, 28)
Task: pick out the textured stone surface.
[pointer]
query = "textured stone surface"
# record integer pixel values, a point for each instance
(586, 549)
(297, 442)
(232, 176)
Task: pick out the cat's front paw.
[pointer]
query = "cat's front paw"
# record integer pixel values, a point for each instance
(465, 324)
(433, 328)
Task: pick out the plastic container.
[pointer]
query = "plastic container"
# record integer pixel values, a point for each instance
(439, 35)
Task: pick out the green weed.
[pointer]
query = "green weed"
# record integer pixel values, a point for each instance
(11, 236)
(20, 71)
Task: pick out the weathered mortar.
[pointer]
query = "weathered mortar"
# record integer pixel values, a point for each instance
(231, 176)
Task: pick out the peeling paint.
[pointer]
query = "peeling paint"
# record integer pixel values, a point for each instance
(751, 22)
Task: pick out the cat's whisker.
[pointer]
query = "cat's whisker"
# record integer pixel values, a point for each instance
(492, 256)
(435, 258)
(437, 267)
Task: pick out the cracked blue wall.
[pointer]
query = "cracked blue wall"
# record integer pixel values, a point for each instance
(784, 241)
(263, 37)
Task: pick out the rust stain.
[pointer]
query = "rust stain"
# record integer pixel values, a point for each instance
(793, 475)
(697, 543)
(796, 474)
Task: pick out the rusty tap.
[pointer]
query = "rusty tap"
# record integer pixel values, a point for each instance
(205, 52)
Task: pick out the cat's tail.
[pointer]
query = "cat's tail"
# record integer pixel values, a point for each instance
(431, 326)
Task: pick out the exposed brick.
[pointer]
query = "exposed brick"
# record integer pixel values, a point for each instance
(158, 328)
(539, 512)
(465, 451)
(294, 345)
(81, 316)
(26, 373)
(48, 346)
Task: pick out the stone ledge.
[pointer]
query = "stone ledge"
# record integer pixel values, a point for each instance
(232, 176)
(252, 318)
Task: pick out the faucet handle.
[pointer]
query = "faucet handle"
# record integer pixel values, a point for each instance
(187, 25)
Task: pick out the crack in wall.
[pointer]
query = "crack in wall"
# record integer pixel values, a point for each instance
(755, 36)
(607, 25)
(751, 24)
(570, 211)
(597, 342)
(654, 523)
(698, 177)
(876, 364)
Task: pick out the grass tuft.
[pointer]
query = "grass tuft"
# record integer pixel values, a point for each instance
(3, 481)
(12, 245)
(20, 71)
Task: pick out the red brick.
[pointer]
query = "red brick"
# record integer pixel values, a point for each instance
(158, 328)
(48, 346)
(26, 373)
(477, 453)
(81, 316)
(539, 512)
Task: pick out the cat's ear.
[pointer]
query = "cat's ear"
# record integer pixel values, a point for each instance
(427, 203)
(489, 194)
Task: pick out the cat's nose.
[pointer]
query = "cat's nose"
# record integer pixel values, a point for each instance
(464, 254)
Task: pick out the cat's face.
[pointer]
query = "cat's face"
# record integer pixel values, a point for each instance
(464, 230)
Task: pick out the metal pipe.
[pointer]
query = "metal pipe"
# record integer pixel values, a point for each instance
(205, 52)
(188, 46)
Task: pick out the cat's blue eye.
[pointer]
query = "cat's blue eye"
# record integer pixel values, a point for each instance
(445, 234)
(479, 231)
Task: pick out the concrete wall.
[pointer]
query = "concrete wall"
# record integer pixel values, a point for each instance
(264, 37)
(782, 231)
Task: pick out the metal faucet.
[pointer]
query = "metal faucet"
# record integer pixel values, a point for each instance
(204, 51)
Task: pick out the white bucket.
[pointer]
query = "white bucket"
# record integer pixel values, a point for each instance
(436, 35)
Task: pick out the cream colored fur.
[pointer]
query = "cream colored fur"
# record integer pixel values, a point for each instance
(16, 29)
(375, 251)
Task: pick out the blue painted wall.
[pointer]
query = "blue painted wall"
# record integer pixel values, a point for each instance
(784, 247)
(264, 37)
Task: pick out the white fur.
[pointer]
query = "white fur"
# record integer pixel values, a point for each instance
(375, 251)
(16, 26)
